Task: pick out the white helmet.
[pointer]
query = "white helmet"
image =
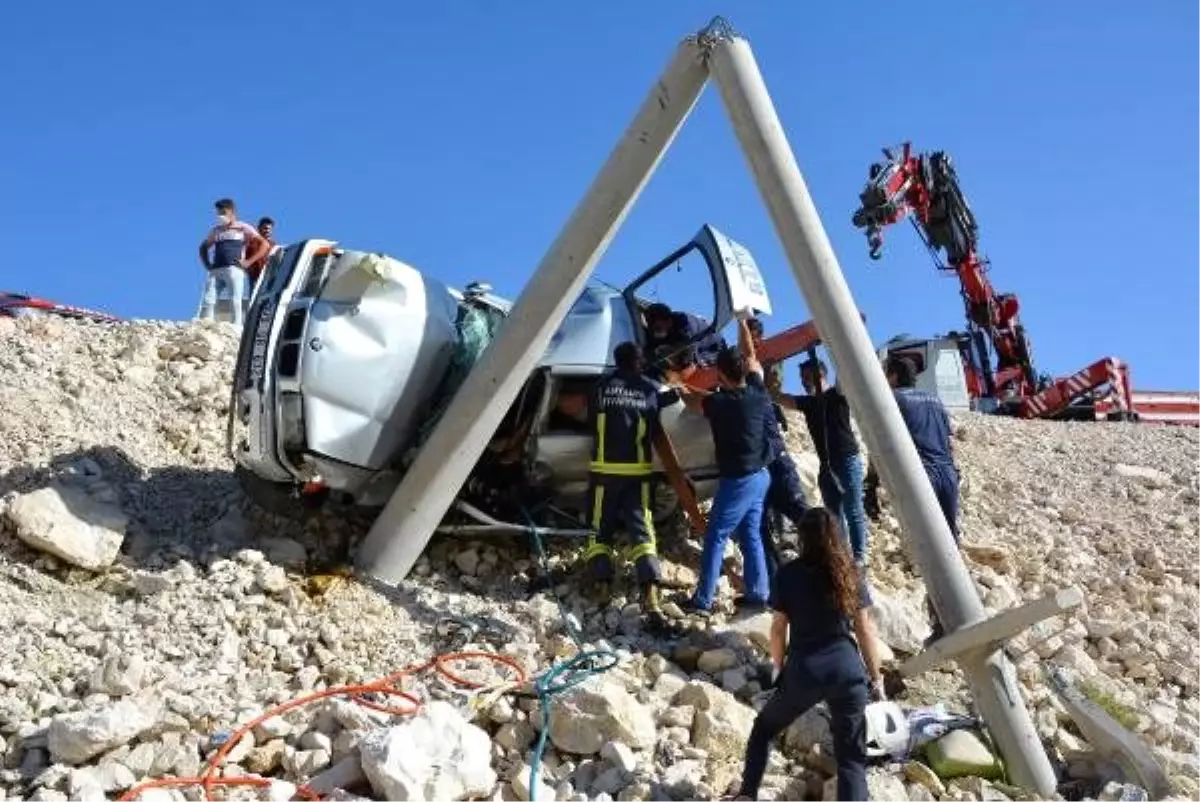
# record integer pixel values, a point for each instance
(887, 730)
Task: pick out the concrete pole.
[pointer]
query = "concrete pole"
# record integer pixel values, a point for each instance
(815, 266)
(427, 490)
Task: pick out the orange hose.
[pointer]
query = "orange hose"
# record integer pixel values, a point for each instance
(385, 686)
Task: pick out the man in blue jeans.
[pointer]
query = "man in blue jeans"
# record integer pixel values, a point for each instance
(234, 245)
(928, 424)
(827, 415)
(737, 413)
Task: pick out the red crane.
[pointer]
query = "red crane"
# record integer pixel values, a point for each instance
(925, 189)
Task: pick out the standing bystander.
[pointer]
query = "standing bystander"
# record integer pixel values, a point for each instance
(230, 239)
(266, 230)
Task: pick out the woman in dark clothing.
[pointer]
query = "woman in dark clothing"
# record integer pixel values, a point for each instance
(818, 601)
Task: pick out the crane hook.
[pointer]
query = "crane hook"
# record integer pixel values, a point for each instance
(875, 243)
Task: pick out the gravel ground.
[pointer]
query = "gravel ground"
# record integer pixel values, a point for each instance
(212, 611)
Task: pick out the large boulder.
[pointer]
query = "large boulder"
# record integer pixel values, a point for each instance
(589, 715)
(70, 524)
(901, 621)
(77, 737)
(436, 754)
(722, 724)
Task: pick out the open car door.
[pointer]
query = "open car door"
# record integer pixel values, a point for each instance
(735, 279)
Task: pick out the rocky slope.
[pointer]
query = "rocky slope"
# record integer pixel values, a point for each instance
(150, 609)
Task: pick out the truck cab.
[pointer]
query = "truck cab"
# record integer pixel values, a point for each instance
(940, 370)
(349, 358)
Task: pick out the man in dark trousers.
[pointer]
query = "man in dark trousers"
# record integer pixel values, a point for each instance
(928, 424)
(625, 425)
(785, 496)
(827, 415)
(737, 414)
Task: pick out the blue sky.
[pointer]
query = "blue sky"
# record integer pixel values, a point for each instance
(458, 137)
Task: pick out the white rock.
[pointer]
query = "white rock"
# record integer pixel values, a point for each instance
(75, 738)
(722, 723)
(620, 756)
(271, 578)
(69, 524)
(1150, 477)
(583, 718)
(882, 784)
(99, 780)
(120, 675)
(436, 754)
(901, 621)
(520, 786)
(346, 773)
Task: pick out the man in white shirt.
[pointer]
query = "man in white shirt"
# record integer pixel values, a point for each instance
(234, 245)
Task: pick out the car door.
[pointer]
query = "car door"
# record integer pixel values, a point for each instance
(737, 283)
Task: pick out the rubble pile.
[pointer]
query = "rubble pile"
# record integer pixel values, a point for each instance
(150, 611)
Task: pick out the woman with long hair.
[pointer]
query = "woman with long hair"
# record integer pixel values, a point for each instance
(818, 600)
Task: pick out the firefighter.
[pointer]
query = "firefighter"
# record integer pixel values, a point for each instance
(624, 415)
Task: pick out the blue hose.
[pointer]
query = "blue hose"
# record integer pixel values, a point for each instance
(563, 676)
(556, 680)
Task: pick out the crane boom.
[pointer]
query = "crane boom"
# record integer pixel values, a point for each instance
(998, 355)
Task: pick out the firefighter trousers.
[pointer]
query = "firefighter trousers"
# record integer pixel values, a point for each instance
(622, 503)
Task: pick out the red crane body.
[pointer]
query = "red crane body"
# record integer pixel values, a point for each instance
(925, 189)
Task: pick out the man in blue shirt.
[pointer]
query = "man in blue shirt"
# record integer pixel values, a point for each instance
(928, 424)
(737, 414)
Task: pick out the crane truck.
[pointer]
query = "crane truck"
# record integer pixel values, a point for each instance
(995, 351)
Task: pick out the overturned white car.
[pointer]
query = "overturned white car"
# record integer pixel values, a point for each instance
(349, 358)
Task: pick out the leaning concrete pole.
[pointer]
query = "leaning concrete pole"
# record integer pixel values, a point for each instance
(757, 126)
(406, 524)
